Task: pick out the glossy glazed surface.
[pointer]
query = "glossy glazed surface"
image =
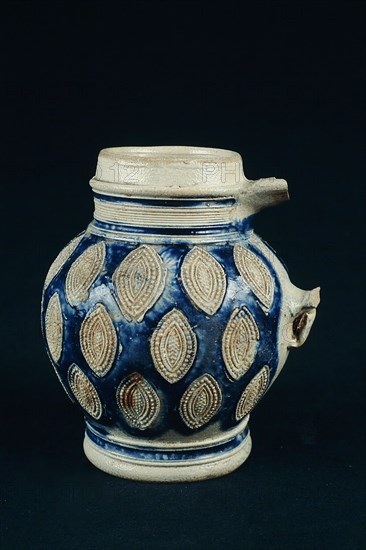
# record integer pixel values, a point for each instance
(168, 319)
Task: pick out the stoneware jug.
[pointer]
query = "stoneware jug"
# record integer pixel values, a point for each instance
(168, 319)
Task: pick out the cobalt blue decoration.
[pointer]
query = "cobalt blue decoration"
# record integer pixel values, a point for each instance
(168, 319)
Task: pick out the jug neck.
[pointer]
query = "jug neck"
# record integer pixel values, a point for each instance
(192, 193)
(168, 220)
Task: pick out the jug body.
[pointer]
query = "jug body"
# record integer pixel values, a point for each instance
(168, 319)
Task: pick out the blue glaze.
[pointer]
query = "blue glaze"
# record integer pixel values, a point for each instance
(224, 228)
(146, 453)
(171, 203)
(135, 336)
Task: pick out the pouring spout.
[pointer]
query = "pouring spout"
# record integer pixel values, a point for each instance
(259, 194)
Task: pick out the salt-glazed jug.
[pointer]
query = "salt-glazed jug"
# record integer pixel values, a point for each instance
(168, 319)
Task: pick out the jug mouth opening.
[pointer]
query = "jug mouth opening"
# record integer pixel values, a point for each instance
(169, 153)
(168, 171)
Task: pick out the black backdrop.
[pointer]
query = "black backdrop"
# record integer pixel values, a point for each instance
(280, 82)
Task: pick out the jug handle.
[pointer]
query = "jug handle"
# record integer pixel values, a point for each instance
(304, 318)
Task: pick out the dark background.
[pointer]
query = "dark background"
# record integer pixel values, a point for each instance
(280, 82)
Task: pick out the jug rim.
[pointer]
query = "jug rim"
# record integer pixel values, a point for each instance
(169, 171)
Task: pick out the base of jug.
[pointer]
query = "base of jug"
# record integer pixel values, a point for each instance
(169, 465)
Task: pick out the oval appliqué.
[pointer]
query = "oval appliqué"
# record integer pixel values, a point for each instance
(139, 282)
(84, 391)
(255, 274)
(239, 342)
(61, 259)
(204, 280)
(98, 340)
(138, 401)
(173, 346)
(200, 402)
(252, 393)
(83, 273)
(54, 327)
